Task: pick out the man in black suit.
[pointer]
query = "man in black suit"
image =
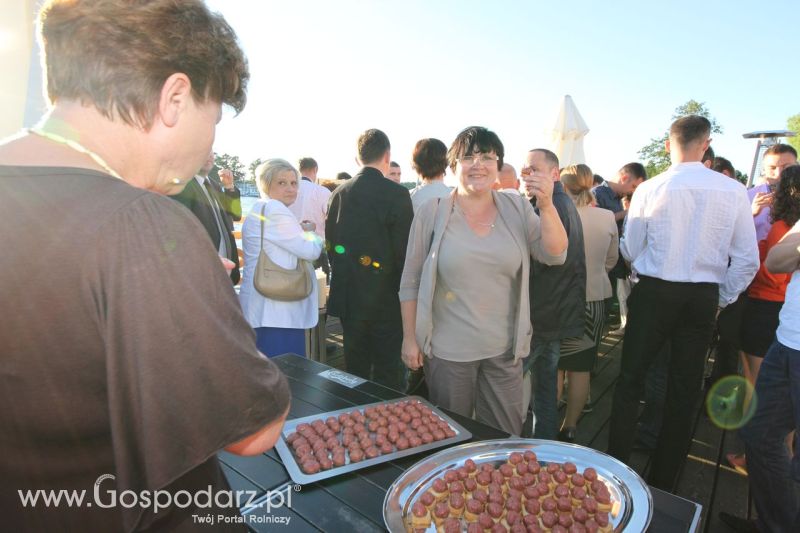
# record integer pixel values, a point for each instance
(369, 218)
(216, 204)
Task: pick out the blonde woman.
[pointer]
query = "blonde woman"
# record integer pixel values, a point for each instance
(280, 326)
(601, 246)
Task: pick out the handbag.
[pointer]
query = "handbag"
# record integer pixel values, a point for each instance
(277, 283)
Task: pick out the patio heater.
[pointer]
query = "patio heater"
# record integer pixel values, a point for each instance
(765, 140)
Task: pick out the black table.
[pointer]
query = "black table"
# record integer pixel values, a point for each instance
(354, 502)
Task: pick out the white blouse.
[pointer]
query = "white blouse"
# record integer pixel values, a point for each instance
(284, 242)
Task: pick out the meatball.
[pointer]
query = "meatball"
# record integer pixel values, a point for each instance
(549, 519)
(507, 470)
(475, 507)
(495, 510)
(480, 495)
(578, 493)
(356, 456)
(561, 491)
(533, 506)
(310, 467)
(452, 525)
(339, 459)
(470, 465)
(427, 499)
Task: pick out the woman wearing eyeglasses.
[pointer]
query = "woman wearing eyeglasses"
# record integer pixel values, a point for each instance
(464, 290)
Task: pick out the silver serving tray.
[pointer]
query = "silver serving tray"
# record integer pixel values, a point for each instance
(298, 476)
(632, 503)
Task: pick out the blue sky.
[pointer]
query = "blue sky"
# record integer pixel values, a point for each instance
(323, 71)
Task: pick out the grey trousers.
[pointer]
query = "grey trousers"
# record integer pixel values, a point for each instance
(491, 388)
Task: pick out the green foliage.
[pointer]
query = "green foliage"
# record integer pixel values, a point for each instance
(251, 174)
(741, 177)
(654, 155)
(793, 124)
(232, 163)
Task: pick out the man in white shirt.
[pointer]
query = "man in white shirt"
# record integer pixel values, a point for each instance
(312, 199)
(311, 204)
(690, 237)
(774, 477)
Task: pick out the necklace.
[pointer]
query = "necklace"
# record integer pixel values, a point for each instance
(78, 147)
(69, 143)
(472, 218)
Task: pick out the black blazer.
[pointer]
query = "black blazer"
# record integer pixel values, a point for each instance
(196, 201)
(366, 234)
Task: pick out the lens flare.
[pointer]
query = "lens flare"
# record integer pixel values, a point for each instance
(339, 249)
(365, 260)
(731, 402)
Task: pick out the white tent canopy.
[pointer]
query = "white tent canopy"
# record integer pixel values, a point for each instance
(567, 135)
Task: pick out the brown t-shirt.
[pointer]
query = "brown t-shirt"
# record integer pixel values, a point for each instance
(123, 351)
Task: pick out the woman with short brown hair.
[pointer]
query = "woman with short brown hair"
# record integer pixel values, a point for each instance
(126, 362)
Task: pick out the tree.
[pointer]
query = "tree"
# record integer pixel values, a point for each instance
(741, 177)
(793, 124)
(232, 163)
(655, 156)
(252, 169)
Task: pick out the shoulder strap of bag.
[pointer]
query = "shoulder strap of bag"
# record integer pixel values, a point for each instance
(433, 233)
(263, 207)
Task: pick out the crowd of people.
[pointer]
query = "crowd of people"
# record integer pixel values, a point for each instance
(126, 350)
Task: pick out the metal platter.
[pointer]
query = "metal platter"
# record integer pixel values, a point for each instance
(298, 476)
(632, 503)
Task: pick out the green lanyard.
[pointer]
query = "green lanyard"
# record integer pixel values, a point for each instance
(75, 146)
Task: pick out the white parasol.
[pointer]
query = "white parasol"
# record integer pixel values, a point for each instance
(567, 134)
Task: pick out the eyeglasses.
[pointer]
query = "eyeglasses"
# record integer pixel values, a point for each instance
(474, 159)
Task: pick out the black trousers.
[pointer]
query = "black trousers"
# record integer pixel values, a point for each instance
(372, 351)
(729, 325)
(661, 311)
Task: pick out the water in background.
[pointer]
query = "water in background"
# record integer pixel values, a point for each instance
(247, 204)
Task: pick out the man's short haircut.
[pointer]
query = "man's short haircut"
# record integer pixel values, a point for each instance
(780, 148)
(598, 179)
(267, 171)
(720, 164)
(394, 164)
(475, 139)
(708, 156)
(429, 158)
(343, 176)
(550, 157)
(307, 163)
(372, 146)
(689, 129)
(634, 169)
(117, 54)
